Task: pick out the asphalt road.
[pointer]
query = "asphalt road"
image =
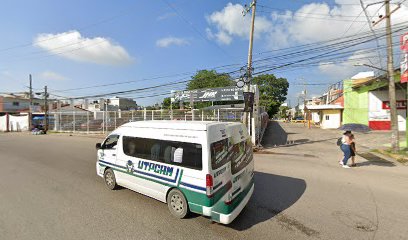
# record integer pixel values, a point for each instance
(49, 190)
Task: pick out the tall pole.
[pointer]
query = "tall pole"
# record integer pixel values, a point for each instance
(30, 111)
(249, 69)
(406, 102)
(391, 85)
(46, 109)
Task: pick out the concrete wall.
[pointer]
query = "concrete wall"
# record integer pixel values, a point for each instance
(355, 105)
(14, 123)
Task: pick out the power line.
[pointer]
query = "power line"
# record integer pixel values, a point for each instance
(315, 56)
(194, 28)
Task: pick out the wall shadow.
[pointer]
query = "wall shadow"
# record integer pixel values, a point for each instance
(272, 195)
(274, 135)
(374, 160)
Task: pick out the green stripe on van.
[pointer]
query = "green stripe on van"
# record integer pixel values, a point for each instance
(223, 208)
(124, 171)
(195, 198)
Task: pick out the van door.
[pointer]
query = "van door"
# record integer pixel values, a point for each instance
(108, 150)
(241, 158)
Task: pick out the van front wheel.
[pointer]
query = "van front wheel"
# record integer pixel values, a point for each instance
(177, 203)
(110, 179)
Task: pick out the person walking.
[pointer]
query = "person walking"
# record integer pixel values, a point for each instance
(345, 147)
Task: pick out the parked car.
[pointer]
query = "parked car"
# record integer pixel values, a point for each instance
(298, 120)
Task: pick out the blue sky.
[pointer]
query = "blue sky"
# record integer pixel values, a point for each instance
(74, 44)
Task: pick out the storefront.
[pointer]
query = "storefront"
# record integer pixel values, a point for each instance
(366, 101)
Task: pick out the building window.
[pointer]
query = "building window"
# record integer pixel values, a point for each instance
(327, 117)
(16, 104)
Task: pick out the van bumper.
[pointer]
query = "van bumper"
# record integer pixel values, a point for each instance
(228, 218)
(99, 169)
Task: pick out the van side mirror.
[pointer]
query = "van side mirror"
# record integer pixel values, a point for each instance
(98, 146)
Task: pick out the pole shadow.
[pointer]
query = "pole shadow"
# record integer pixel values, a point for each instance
(272, 195)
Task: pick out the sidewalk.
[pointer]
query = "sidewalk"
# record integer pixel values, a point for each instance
(280, 136)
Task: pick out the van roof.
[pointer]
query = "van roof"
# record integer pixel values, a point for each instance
(175, 124)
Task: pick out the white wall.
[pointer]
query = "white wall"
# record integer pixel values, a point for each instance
(16, 123)
(3, 123)
(331, 119)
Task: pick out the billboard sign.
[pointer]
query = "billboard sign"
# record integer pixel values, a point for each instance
(404, 69)
(404, 42)
(208, 95)
(401, 104)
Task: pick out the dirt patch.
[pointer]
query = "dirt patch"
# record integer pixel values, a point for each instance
(355, 221)
(292, 223)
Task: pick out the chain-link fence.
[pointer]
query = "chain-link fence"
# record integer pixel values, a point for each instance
(106, 121)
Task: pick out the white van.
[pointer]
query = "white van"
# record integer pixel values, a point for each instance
(202, 167)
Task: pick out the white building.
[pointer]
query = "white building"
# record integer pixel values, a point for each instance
(122, 103)
(112, 104)
(329, 116)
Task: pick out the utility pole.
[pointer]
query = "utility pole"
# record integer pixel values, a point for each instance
(391, 87)
(249, 69)
(46, 109)
(30, 111)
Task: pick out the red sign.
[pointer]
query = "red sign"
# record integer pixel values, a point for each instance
(401, 104)
(404, 69)
(404, 42)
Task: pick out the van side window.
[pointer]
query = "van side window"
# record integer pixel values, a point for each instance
(110, 142)
(171, 152)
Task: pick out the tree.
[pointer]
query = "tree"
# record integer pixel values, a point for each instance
(272, 92)
(209, 79)
(166, 104)
(283, 111)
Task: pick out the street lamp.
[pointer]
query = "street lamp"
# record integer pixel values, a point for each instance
(368, 65)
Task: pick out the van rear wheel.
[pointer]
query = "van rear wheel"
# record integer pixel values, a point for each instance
(110, 179)
(177, 203)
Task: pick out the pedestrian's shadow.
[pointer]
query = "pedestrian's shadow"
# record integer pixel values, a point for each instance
(273, 194)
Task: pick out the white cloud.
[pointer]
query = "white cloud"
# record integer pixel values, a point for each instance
(318, 22)
(72, 45)
(312, 22)
(168, 41)
(229, 22)
(349, 67)
(49, 75)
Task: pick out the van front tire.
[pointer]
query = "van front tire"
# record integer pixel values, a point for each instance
(110, 179)
(177, 203)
